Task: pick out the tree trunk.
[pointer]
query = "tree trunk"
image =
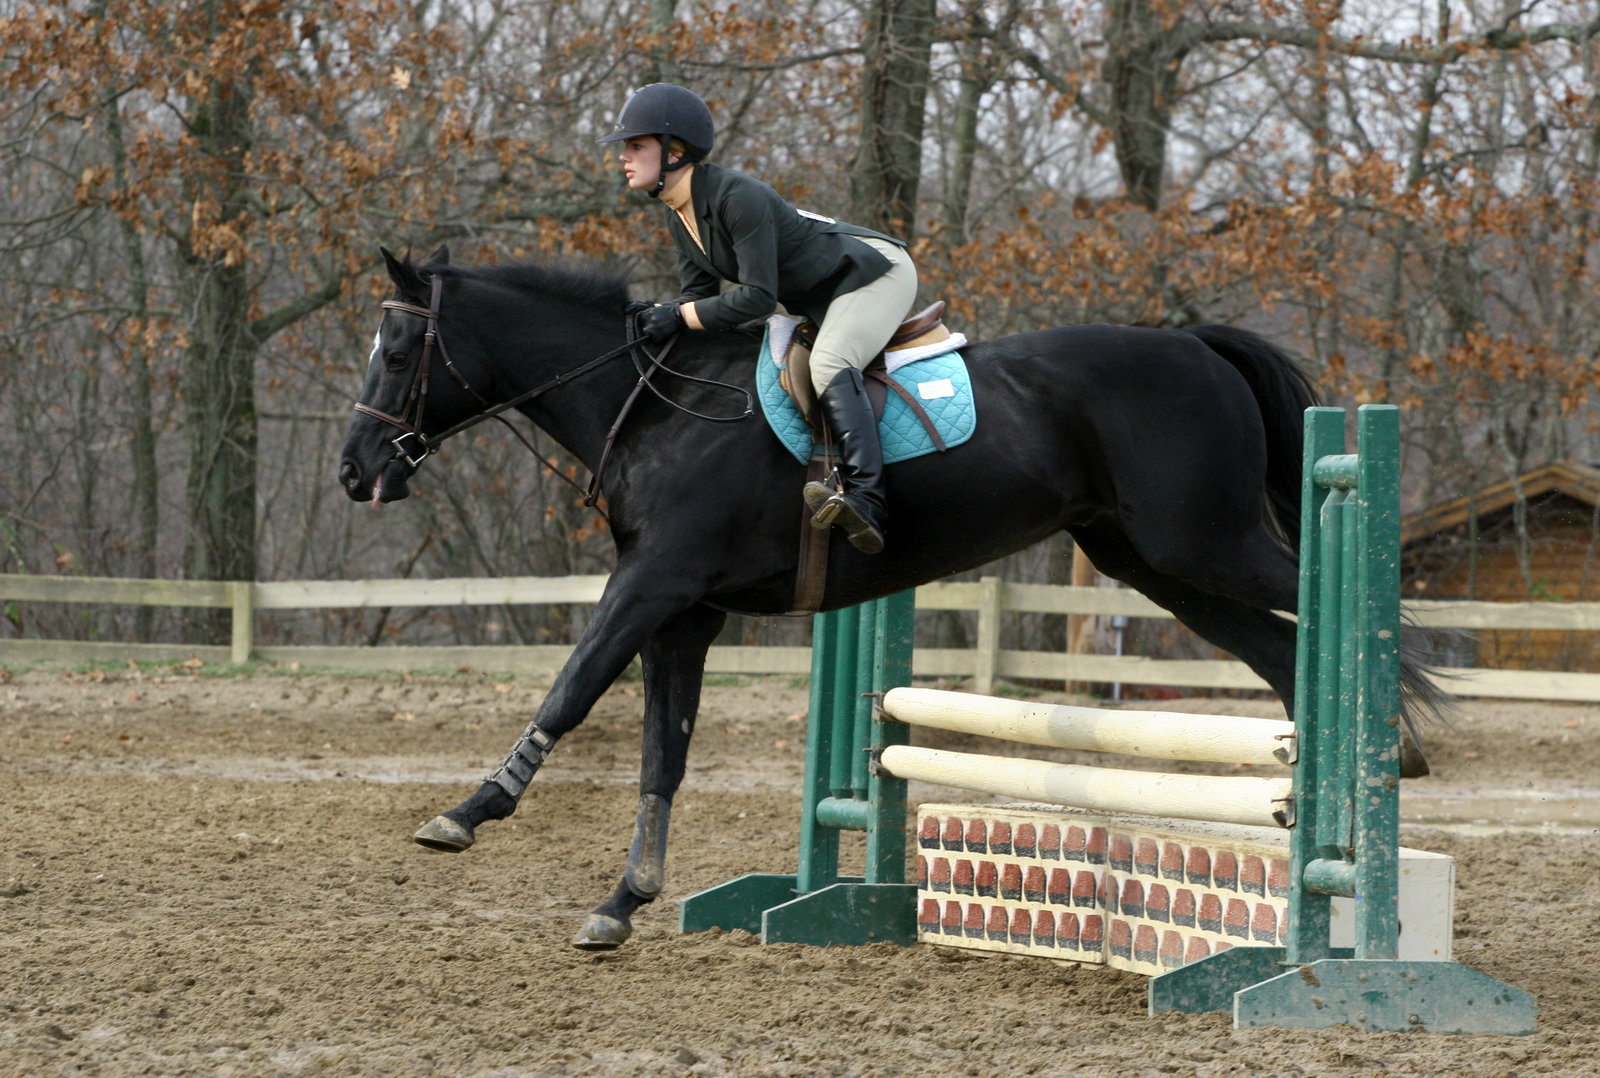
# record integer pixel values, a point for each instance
(219, 359)
(1080, 627)
(1143, 57)
(958, 185)
(141, 419)
(894, 90)
(1393, 356)
(662, 66)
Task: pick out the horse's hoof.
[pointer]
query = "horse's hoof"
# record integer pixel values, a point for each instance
(444, 834)
(1413, 764)
(602, 933)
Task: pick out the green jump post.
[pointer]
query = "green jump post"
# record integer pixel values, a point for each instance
(1345, 830)
(857, 654)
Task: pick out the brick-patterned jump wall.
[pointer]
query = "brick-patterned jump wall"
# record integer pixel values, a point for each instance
(1133, 893)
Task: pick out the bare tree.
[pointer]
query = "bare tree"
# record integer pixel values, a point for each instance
(887, 168)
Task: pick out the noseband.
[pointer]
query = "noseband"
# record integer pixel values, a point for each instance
(409, 421)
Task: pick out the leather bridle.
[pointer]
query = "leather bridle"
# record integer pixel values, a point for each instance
(409, 421)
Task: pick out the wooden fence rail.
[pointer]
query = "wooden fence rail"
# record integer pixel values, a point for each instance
(985, 663)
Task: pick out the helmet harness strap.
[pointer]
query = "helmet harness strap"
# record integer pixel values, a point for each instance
(682, 162)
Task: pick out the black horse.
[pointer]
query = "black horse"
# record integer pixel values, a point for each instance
(1171, 456)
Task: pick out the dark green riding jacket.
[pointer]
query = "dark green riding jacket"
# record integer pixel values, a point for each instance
(772, 252)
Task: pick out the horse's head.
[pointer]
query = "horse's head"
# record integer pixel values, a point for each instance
(459, 345)
(408, 394)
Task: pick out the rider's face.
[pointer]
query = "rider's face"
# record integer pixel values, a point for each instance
(641, 162)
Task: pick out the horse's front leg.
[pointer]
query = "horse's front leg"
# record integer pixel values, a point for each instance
(623, 620)
(674, 667)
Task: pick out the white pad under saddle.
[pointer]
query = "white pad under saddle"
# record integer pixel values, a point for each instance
(781, 327)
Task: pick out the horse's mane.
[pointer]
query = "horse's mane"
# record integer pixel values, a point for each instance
(581, 282)
(601, 287)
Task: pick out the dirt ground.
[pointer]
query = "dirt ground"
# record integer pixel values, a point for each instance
(214, 876)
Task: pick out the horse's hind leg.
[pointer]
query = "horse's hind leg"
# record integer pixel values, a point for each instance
(1264, 641)
(674, 667)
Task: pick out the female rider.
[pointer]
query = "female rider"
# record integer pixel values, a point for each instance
(854, 283)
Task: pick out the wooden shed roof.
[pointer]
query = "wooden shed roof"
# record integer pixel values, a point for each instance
(1580, 482)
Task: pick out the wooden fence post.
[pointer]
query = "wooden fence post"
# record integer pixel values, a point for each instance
(987, 655)
(244, 628)
(1080, 637)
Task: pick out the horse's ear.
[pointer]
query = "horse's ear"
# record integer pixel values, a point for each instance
(441, 257)
(401, 273)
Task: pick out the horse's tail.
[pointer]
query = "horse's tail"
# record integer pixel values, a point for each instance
(1283, 392)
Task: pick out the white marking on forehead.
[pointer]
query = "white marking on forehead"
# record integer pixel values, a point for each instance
(376, 339)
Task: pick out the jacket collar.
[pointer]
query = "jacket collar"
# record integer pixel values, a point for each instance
(704, 185)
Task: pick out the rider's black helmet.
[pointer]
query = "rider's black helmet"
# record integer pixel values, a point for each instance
(667, 112)
(664, 109)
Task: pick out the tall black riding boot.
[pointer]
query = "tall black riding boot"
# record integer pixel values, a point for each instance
(859, 508)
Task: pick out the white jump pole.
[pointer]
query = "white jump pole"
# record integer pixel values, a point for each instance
(1158, 735)
(1256, 801)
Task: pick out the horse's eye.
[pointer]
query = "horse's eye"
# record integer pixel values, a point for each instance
(395, 360)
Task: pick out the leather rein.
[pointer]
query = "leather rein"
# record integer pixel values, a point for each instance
(409, 421)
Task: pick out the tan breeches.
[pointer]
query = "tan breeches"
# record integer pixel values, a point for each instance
(858, 324)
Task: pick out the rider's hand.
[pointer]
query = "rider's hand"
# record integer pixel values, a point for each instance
(661, 321)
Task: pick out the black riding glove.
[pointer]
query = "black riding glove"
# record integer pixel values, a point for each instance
(661, 321)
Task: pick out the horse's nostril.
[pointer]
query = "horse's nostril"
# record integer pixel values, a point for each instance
(349, 474)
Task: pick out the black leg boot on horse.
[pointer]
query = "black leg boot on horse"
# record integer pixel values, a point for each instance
(859, 507)
(496, 799)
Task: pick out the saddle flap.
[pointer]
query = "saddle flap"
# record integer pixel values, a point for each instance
(796, 379)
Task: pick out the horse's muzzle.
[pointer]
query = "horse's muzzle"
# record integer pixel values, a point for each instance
(391, 484)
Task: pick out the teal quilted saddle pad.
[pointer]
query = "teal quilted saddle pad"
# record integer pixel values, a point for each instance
(939, 383)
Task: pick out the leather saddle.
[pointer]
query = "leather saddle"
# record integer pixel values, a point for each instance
(923, 328)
